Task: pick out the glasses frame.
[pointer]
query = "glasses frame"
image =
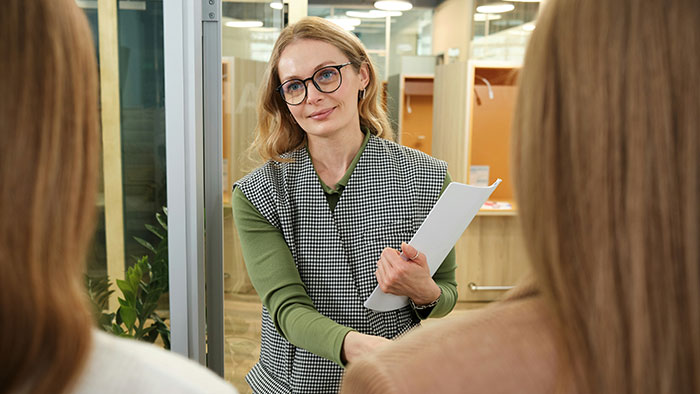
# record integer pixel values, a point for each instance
(311, 78)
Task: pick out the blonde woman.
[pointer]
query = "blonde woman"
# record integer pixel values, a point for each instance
(315, 219)
(49, 140)
(607, 170)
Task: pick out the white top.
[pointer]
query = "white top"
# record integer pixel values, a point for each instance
(122, 365)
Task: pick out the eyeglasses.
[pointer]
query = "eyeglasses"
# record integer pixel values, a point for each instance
(326, 80)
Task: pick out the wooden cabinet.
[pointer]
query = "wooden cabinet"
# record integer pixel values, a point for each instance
(411, 110)
(471, 127)
(416, 120)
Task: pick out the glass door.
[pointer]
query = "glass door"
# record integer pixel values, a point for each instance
(248, 33)
(213, 67)
(132, 221)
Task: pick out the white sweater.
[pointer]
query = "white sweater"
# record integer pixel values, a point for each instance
(120, 365)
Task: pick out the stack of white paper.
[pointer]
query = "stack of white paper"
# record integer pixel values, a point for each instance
(439, 233)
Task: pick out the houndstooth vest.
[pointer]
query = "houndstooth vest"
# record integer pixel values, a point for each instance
(388, 196)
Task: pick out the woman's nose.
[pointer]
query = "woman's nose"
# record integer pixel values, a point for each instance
(312, 93)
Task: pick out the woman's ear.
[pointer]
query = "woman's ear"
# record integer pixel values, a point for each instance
(364, 75)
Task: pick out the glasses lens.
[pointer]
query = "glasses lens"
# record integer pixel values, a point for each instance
(293, 92)
(327, 79)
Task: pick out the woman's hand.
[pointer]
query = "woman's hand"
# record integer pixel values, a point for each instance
(357, 344)
(409, 276)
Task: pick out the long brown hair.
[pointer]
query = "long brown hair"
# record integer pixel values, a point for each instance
(277, 132)
(606, 162)
(48, 161)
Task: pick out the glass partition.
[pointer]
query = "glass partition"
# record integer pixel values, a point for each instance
(248, 32)
(502, 33)
(132, 222)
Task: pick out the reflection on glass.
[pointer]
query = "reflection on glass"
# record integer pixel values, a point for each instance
(249, 32)
(502, 35)
(96, 260)
(410, 33)
(133, 126)
(141, 83)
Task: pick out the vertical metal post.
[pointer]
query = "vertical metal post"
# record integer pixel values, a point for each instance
(213, 183)
(184, 163)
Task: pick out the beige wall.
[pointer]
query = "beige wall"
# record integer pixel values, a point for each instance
(452, 27)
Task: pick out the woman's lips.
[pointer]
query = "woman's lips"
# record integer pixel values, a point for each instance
(320, 115)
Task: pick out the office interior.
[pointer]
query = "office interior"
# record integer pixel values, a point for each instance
(449, 73)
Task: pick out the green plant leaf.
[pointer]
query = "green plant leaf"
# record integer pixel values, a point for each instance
(161, 220)
(155, 231)
(145, 283)
(128, 315)
(145, 244)
(124, 285)
(105, 321)
(117, 329)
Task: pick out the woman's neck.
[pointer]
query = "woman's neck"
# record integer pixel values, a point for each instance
(332, 156)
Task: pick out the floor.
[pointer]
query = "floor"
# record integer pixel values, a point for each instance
(242, 335)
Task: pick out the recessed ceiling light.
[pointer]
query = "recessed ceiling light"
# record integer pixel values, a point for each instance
(248, 23)
(344, 22)
(495, 8)
(372, 14)
(483, 17)
(393, 5)
(278, 5)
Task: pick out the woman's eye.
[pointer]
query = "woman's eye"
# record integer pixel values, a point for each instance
(327, 74)
(293, 87)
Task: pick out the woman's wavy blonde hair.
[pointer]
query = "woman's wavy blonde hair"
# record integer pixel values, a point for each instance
(607, 173)
(48, 176)
(277, 132)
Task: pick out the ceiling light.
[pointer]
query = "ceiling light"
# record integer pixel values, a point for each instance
(278, 5)
(529, 27)
(483, 17)
(372, 14)
(393, 5)
(344, 22)
(495, 8)
(248, 23)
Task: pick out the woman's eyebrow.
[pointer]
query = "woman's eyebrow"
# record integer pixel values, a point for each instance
(323, 64)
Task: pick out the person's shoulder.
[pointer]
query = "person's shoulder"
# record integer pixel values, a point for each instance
(272, 171)
(413, 155)
(117, 365)
(506, 347)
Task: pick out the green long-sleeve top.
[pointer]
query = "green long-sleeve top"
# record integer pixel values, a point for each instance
(284, 294)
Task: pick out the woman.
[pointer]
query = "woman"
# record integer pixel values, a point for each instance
(315, 219)
(607, 170)
(48, 172)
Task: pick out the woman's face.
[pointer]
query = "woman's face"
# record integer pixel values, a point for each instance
(323, 114)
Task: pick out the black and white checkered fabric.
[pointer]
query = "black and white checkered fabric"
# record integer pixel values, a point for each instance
(388, 196)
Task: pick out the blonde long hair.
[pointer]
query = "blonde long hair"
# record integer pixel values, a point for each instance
(606, 162)
(277, 132)
(48, 164)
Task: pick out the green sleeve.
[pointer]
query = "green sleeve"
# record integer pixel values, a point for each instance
(275, 277)
(445, 278)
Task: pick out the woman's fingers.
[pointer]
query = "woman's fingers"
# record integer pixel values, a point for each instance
(409, 251)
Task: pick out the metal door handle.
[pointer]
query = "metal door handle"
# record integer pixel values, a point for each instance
(474, 287)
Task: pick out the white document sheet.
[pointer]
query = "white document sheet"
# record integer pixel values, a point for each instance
(439, 233)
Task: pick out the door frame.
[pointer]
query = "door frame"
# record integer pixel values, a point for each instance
(192, 47)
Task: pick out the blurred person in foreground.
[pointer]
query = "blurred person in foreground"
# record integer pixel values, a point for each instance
(606, 157)
(49, 140)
